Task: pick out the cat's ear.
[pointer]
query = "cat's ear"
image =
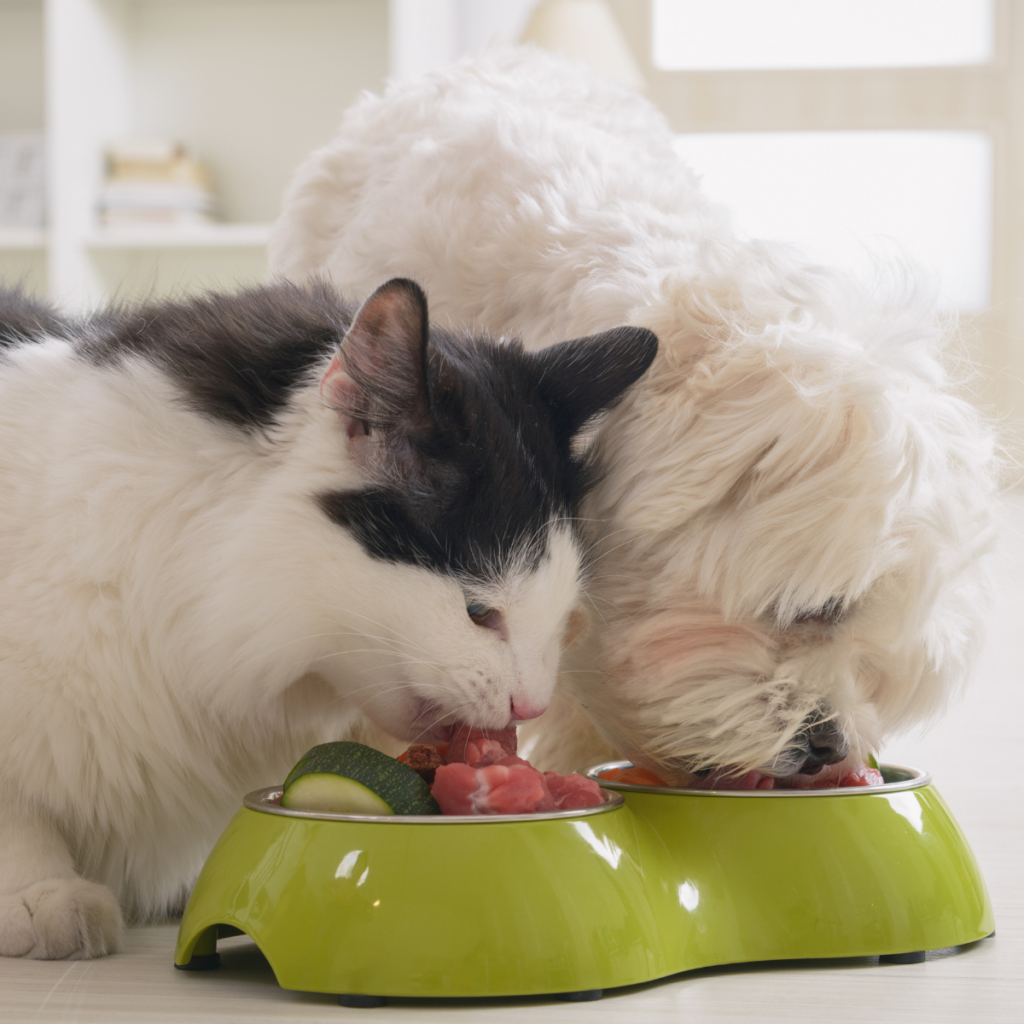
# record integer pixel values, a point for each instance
(580, 378)
(377, 380)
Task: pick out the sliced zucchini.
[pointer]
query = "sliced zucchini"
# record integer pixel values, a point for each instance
(351, 778)
(323, 791)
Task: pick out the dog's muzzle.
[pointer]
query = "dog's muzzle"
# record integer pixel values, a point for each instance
(825, 744)
(819, 742)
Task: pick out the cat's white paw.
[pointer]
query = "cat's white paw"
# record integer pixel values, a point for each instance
(60, 919)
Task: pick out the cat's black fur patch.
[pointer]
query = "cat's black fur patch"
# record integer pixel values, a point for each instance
(497, 465)
(491, 471)
(236, 357)
(26, 319)
(491, 475)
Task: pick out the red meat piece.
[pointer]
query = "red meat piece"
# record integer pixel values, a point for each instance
(495, 789)
(862, 776)
(721, 778)
(634, 776)
(481, 747)
(573, 791)
(483, 775)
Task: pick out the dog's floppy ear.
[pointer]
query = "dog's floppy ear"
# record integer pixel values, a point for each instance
(377, 380)
(580, 378)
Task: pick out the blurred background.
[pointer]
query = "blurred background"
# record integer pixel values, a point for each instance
(145, 144)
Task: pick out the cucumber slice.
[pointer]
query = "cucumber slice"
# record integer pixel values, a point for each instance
(323, 791)
(305, 759)
(396, 787)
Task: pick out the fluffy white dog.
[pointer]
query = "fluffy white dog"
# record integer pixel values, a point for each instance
(795, 502)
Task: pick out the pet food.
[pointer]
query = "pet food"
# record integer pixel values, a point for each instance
(423, 759)
(481, 747)
(721, 778)
(493, 789)
(634, 776)
(863, 776)
(351, 778)
(483, 775)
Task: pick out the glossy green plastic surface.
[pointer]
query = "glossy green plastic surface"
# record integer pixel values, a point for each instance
(665, 883)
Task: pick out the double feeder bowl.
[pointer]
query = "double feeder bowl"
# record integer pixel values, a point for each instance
(653, 882)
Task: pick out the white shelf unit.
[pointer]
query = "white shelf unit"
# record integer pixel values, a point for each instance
(249, 86)
(206, 236)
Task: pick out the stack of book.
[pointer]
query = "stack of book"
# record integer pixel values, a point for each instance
(22, 181)
(154, 182)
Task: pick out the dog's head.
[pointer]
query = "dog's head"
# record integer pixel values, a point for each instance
(792, 525)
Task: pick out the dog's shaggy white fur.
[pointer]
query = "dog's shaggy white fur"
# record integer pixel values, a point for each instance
(796, 501)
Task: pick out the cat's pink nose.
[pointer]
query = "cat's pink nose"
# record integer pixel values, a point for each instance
(522, 710)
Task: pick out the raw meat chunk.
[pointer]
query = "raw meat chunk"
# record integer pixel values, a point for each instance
(830, 779)
(483, 775)
(481, 747)
(494, 789)
(571, 792)
(721, 778)
(634, 776)
(863, 776)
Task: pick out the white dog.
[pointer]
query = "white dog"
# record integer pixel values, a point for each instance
(795, 501)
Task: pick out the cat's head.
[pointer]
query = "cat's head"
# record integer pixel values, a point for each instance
(471, 475)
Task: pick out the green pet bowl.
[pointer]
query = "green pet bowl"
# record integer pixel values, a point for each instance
(654, 882)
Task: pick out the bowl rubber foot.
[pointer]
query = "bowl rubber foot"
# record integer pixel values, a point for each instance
(587, 995)
(362, 1002)
(202, 962)
(917, 957)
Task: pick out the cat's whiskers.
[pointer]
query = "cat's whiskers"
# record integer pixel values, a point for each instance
(263, 655)
(399, 636)
(372, 650)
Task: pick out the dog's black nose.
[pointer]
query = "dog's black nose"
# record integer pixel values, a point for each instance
(826, 744)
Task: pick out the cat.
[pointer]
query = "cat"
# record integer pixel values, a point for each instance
(231, 524)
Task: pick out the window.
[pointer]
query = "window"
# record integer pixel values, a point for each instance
(844, 196)
(731, 34)
(920, 95)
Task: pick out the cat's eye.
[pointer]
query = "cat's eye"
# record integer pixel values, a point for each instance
(481, 614)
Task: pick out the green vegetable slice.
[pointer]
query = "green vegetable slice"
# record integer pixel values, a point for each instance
(369, 773)
(331, 793)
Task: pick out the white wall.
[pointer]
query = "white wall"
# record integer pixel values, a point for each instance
(21, 110)
(252, 87)
(21, 66)
(427, 34)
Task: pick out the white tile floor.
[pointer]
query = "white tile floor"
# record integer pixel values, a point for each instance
(973, 755)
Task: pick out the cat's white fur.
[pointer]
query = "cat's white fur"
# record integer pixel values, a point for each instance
(798, 441)
(179, 621)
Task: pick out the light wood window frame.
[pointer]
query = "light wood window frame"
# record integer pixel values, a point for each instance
(987, 97)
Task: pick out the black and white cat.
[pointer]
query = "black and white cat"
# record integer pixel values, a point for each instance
(224, 533)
